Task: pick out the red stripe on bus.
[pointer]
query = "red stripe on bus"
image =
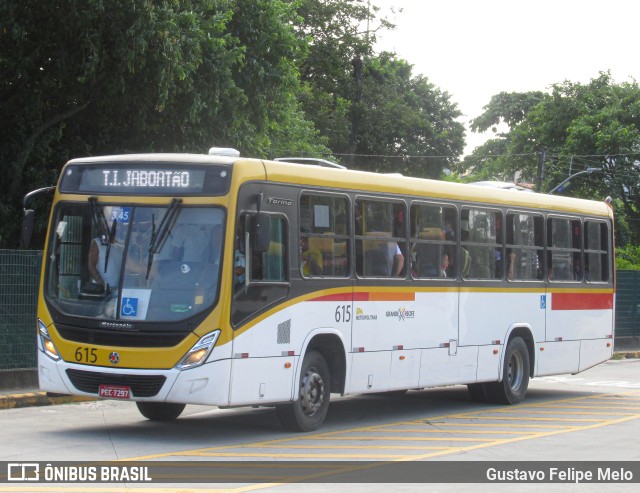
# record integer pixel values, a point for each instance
(581, 301)
(343, 297)
(365, 296)
(393, 296)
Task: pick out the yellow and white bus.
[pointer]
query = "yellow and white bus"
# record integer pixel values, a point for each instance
(173, 279)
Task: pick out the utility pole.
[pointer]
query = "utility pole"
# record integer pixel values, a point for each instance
(542, 158)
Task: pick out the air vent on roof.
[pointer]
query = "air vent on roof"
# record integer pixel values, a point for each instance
(311, 160)
(224, 151)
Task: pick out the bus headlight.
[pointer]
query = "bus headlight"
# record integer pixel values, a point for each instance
(46, 345)
(199, 353)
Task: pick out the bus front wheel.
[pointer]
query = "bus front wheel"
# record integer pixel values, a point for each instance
(308, 411)
(160, 411)
(515, 375)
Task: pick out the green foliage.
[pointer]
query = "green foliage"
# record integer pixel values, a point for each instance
(509, 108)
(574, 127)
(403, 115)
(87, 77)
(628, 257)
(371, 108)
(269, 77)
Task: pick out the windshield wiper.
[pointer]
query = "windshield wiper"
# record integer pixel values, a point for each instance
(100, 222)
(112, 235)
(157, 237)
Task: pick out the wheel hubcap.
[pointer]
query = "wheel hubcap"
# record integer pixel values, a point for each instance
(311, 392)
(515, 372)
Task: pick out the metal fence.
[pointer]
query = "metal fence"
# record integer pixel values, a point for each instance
(627, 303)
(20, 274)
(19, 277)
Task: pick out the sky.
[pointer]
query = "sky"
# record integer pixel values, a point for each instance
(474, 49)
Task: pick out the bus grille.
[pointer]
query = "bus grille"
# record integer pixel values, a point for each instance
(121, 339)
(141, 385)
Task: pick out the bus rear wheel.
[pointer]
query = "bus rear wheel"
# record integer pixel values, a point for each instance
(308, 411)
(515, 375)
(160, 411)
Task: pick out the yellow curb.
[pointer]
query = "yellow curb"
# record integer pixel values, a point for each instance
(38, 399)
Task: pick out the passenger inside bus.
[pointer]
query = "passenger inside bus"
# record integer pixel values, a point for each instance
(312, 261)
(444, 265)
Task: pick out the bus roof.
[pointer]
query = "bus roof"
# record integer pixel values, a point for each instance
(429, 189)
(157, 157)
(364, 181)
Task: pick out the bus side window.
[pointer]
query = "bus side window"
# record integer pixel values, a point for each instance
(267, 260)
(563, 248)
(259, 266)
(433, 241)
(324, 235)
(380, 238)
(524, 247)
(596, 253)
(481, 235)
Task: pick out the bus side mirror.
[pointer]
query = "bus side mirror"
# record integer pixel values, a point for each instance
(261, 233)
(28, 219)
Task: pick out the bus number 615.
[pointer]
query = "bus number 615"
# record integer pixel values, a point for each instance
(86, 355)
(343, 313)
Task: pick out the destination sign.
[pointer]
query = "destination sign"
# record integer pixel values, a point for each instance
(161, 179)
(114, 178)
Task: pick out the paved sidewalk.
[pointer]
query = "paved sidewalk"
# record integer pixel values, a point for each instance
(10, 399)
(14, 398)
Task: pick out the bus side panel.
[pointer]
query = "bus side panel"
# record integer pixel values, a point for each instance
(557, 357)
(262, 380)
(442, 367)
(370, 372)
(579, 314)
(489, 363)
(486, 316)
(594, 351)
(405, 369)
(391, 327)
(261, 351)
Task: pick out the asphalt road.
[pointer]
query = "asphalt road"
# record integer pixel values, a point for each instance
(593, 416)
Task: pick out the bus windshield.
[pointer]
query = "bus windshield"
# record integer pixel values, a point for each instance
(134, 263)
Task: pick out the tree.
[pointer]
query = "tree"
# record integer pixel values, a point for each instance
(86, 77)
(577, 126)
(340, 34)
(492, 160)
(371, 108)
(408, 125)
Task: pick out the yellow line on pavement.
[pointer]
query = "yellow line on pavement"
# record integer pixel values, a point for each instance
(502, 425)
(406, 439)
(587, 406)
(271, 455)
(483, 421)
(468, 432)
(575, 413)
(365, 447)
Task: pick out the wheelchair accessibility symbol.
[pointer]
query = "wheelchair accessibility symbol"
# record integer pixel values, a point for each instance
(129, 307)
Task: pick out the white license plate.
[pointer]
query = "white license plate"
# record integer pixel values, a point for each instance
(114, 391)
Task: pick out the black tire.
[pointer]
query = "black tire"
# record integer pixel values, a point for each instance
(515, 375)
(477, 392)
(160, 411)
(308, 411)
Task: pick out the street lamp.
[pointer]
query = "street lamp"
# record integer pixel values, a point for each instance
(563, 185)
